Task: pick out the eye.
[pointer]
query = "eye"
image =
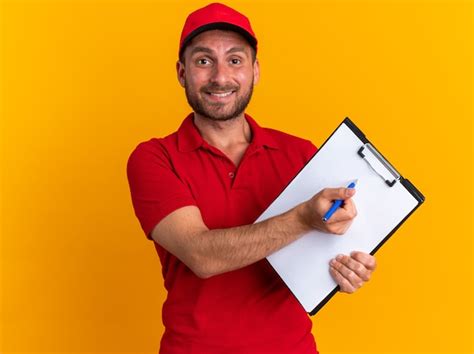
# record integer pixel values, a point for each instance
(203, 61)
(235, 61)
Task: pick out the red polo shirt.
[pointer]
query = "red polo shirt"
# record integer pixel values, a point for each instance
(249, 310)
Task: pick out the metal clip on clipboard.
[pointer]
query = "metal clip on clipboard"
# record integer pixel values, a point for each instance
(381, 166)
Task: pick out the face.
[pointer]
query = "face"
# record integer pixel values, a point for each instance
(218, 74)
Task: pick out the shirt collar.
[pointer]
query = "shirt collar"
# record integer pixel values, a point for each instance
(189, 138)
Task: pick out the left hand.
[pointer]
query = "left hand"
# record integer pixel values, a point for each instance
(351, 272)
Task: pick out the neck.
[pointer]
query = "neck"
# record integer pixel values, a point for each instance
(224, 134)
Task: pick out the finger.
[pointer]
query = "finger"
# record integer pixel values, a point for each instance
(348, 274)
(366, 259)
(356, 266)
(344, 285)
(338, 228)
(349, 205)
(340, 216)
(337, 193)
(345, 213)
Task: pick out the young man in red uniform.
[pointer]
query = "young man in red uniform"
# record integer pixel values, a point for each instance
(198, 191)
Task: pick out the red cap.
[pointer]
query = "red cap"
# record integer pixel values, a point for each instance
(216, 16)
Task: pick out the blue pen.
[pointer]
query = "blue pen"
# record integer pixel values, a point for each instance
(337, 203)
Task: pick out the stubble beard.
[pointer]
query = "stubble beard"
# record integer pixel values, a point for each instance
(214, 111)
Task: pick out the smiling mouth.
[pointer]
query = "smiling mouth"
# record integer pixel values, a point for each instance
(220, 94)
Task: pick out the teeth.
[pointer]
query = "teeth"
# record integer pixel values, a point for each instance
(221, 94)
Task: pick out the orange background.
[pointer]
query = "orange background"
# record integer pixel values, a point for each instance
(83, 82)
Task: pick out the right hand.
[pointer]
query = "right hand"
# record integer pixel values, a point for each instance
(313, 210)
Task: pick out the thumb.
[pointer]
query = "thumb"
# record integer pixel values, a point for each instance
(338, 193)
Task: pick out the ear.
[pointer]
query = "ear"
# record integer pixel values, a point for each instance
(181, 73)
(256, 72)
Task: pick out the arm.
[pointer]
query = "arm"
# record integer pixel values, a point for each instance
(211, 252)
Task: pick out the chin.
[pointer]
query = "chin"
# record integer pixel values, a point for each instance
(221, 118)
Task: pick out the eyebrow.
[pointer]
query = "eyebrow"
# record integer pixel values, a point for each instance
(210, 51)
(201, 49)
(236, 49)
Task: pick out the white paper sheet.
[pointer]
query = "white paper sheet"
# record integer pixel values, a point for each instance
(304, 264)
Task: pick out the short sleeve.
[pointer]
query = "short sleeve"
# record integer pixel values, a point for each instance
(309, 149)
(155, 188)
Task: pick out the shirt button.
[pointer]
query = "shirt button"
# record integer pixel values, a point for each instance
(231, 174)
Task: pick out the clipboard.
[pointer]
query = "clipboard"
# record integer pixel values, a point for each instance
(384, 200)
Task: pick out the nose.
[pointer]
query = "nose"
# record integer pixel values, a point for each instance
(220, 73)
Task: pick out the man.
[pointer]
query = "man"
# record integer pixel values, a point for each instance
(198, 191)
